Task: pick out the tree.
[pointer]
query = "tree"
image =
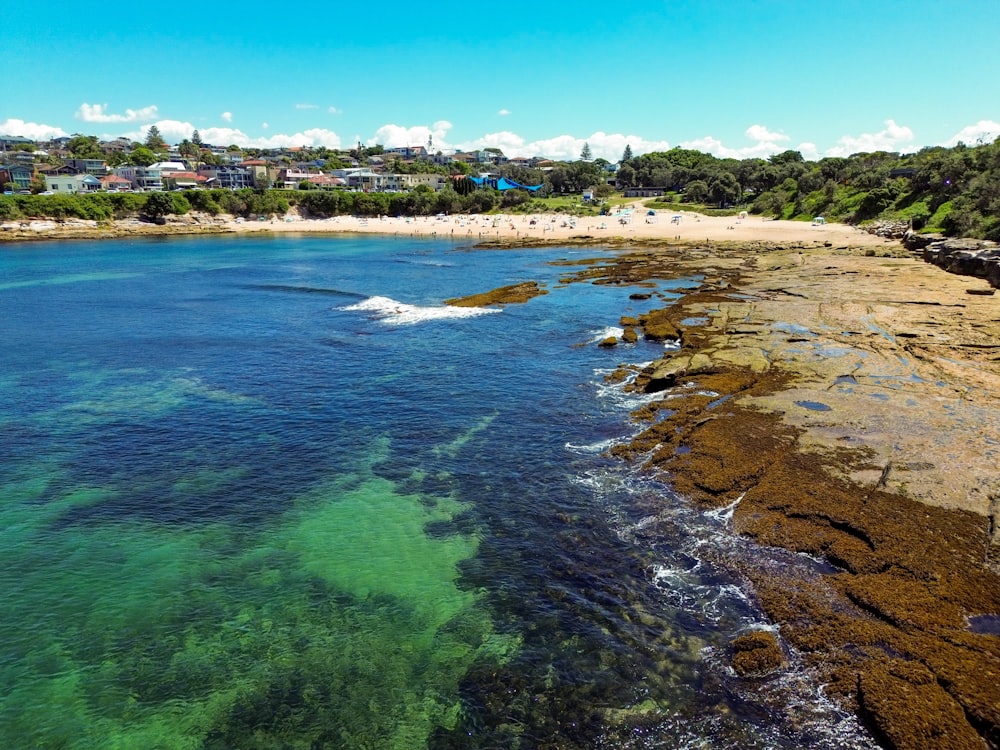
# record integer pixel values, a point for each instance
(188, 148)
(723, 189)
(154, 141)
(85, 147)
(696, 191)
(141, 156)
(626, 176)
(157, 206)
(627, 153)
(196, 138)
(585, 154)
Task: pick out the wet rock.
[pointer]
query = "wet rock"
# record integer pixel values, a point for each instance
(757, 654)
(504, 295)
(887, 692)
(609, 342)
(657, 325)
(630, 336)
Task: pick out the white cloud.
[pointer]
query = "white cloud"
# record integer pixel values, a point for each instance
(99, 113)
(893, 138)
(761, 133)
(984, 131)
(394, 136)
(306, 106)
(503, 112)
(174, 131)
(809, 151)
(608, 146)
(712, 145)
(333, 110)
(227, 116)
(33, 130)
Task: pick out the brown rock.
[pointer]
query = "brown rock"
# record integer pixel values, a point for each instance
(756, 654)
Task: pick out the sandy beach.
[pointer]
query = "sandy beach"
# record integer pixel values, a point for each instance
(631, 223)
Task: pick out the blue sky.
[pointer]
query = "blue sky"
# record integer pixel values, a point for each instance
(532, 78)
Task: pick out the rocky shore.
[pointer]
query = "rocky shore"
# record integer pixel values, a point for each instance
(844, 403)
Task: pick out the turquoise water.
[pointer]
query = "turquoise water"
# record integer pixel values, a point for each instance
(269, 493)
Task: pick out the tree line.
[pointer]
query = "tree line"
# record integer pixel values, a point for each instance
(953, 190)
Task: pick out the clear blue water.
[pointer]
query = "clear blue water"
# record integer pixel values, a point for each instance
(237, 511)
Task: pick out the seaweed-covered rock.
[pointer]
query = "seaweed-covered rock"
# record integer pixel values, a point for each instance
(757, 653)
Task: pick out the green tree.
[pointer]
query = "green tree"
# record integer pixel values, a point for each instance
(627, 154)
(625, 178)
(85, 147)
(585, 154)
(724, 189)
(196, 138)
(154, 141)
(141, 156)
(696, 191)
(157, 206)
(188, 148)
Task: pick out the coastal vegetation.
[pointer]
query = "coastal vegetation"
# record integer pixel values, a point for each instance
(954, 191)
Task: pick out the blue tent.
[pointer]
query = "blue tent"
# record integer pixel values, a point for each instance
(502, 183)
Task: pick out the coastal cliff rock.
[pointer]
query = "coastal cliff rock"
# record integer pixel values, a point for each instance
(967, 257)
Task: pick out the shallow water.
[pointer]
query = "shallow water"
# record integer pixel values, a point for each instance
(265, 492)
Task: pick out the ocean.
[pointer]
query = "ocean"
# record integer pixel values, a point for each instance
(269, 492)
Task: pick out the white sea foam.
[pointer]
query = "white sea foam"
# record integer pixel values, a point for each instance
(596, 448)
(604, 333)
(394, 312)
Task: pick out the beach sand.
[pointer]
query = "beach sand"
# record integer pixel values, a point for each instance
(636, 224)
(618, 228)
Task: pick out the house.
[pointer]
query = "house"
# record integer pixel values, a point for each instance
(112, 183)
(262, 173)
(436, 182)
(227, 177)
(72, 183)
(143, 179)
(96, 167)
(407, 152)
(183, 180)
(166, 167)
(18, 175)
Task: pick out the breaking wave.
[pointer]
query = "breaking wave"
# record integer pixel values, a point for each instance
(394, 312)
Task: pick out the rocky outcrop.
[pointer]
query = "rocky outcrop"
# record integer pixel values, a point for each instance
(967, 257)
(505, 295)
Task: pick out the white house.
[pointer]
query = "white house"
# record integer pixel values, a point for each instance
(72, 183)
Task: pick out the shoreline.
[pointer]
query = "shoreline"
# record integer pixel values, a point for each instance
(841, 405)
(621, 228)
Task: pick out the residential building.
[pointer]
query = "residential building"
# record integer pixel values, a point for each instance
(96, 167)
(434, 181)
(407, 152)
(115, 184)
(183, 180)
(262, 173)
(143, 179)
(18, 175)
(227, 177)
(72, 183)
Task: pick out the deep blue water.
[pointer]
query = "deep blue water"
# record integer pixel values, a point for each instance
(259, 492)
